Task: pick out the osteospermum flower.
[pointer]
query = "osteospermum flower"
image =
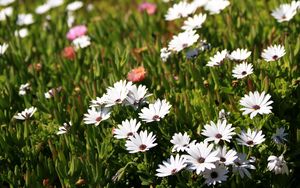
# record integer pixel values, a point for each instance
(250, 138)
(137, 96)
(22, 33)
(183, 40)
(98, 102)
(150, 8)
(180, 141)
(6, 12)
(217, 59)
(3, 48)
(215, 6)
(126, 129)
(279, 136)
(76, 31)
(54, 3)
(256, 103)
(180, 10)
(140, 142)
(137, 75)
(52, 92)
(226, 157)
(218, 132)
(285, 12)
(273, 53)
(118, 93)
(277, 165)
(25, 19)
(199, 3)
(26, 114)
(215, 175)
(242, 165)
(42, 9)
(201, 156)
(81, 42)
(171, 166)
(156, 111)
(96, 115)
(194, 22)
(164, 54)
(239, 54)
(74, 6)
(65, 128)
(242, 70)
(6, 2)
(24, 88)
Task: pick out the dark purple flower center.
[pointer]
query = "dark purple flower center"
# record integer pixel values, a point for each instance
(118, 101)
(250, 142)
(174, 171)
(256, 107)
(129, 134)
(201, 160)
(244, 73)
(143, 147)
(156, 118)
(275, 57)
(98, 118)
(214, 175)
(219, 136)
(222, 159)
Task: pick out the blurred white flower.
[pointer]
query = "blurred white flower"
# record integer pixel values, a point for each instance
(65, 128)
(215, 6)
(26, 114)
(171, 166)
(156, 111)
(6, 2)
(98, 102)
(96, 115)
(277, 165)
(127, 129)
(22, 33)
(285, 12)
(54, 3)
(199, 3)
(180, 10)
(140, 142)
(164, 54)
(3, 48)
(194, 22)
(250, 138)
(42, 9)
(183, 40)
(217, 59)
(273, 53)
(180, 141)
(52, 92)
(218, 132)
(223, 115)
(215, 175)
(25, 19)
(242, 70)
(239, 54)
(6, 12)
(74, 6)
(279, 136)
(81, 42)
(70, 19)
(241, 165)
(256, 103)
(24, 88)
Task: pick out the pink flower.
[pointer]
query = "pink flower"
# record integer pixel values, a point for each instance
(150, 8)
(76, 31)
(137, 74)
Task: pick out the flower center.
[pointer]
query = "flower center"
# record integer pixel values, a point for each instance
(98, 118)
(143, 147)
(256, 107)
(244, 73)
(184, 45)
(174, 171)
(219, 136)
(201, 160)
(214, 175)
(118, 101)
(156, 118)
(275, 57)
(129, 134)
(222, 159)
(250, 142)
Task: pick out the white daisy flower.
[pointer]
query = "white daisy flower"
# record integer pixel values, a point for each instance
(6, 2)
(180, 141)
(171, 166)
(199, 3)
(256, 103)
(98, 102)
(226, 157)
(215, 6)
(201, 156)
(24, 88)
(217, 59)
(140, 142)
(183, 40)
(3, 48)
(279, 136)
(81, 42)
(194, 22)
(242, 70)
(223, 115)
(126, 129)
(22, 33)
(215, 175)
(240, 54)
(277, 165)
(6, 12)
(74, 6)
(42, 9)
(180, 10)
(54, 3)
(242, 165)
(52, 92)
(26, 114)
(65, 128)
(273, 53)
(137, 96)
(164, 54)
(118, 93)
(95, 116)
(216, 133)
(285, 12)
(156, 111)
(25, 19)
(250, 138)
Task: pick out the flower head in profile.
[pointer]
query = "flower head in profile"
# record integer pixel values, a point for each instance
(242, 165)
(256, 103)
(183, 40)
(52, 92)
(24, 88)
(215, 175)
(22, 33)
(98, 102)
(180, 142)
(150, 8)
(42, 9)
(277, 165)
(3, 48)
(26, 114)
(81, 42)
(164, 54)
(140, 142)
(65, 128)
(279, 136)
(96, 115)
(74, 6)
(126, 129)
(250, 138)
(54, 3)
(223, 115)
(218, 132)
(240, 54)
(180, 10)
(217, 59)
(171, 166)
(194, 22)
(156, 111)
(285, 12)
(242, 70)
(215, 6)
(273, 53)
(76, 31)
(137, 75)
(137, 96)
